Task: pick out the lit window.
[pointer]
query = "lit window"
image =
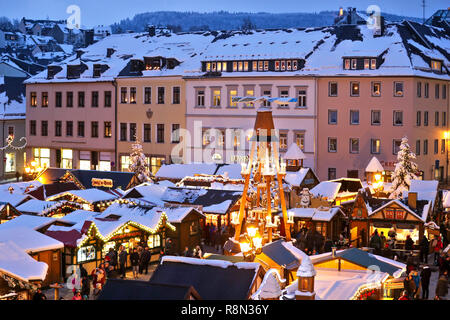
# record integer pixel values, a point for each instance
(33, 99)
(283, 141)
(294, 65)
(332, 144)
(266, 65)
(224, 66)
(240, 66)
(300, 140)
(366, 63)
(373, 63)
(245, 65)
(354, 87)
(277, 65)
(436, 65)
(42, 157)
(232, 93)
(10, 162)
(124, 163)
(216, 98)
(375, 146)
(67, 156)
(208, 66)
(283, 65)
(376, 89)
(249, 93)
(260, 66)
(255, 66)
(347, 64)
(301, 98)
(288, 65)
(354, 61)
(234, 66)
(219, 66)
(398, 89)
(213, 66)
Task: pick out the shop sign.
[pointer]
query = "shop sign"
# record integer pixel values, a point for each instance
(96, 182)
(126, 235)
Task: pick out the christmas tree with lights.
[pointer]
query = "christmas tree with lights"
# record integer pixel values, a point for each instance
(405, 170)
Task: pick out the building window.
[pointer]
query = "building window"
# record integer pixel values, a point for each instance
(283, 141)
(67, 156)
(58, 128)
(133, 132)
(44, 99)
(354, 116)
(436, 146)
(418, 147)
(425, 147)
(332, 144)
(175, 136)
(161, 93)
(444, 119)
(81, 128)
(373, 63)
(300, 140)
(354, 89)
(107, 99)
(231, 94)
(124, 163)
(123, 95)
(332, 89)
(366, 63)
(419, 89)
(123, 131)
(200, 98)
(249, 93)
(216, 97)
(69, 128)
(156, 163)
(425, 118)
(436, 91)
(107, 129)
(375, 146)
(398, 118)
(375, 117)
(426, 89)
(10, 162)
(418, 118)
(331, 173)
(235, 66)
(81, 99)
(69, 99)
(443, 146)
(354, 64)
(147, 132)
(332, 117)
(444, 91)
(58, 99)
(284, 94)
(396, 146)
(133, 95)
(94, 97)
(32, 127)
(301, 98)
(94, 129)
(44, 128)
(376, 89)
(33, 99)
(347, 64)
(267, 94)
(160, 133)
(147, 95)
(436, 118)
(277, 65)
(398, 89)
(176, 95)
(354, 145)
(436, 65)
(42, 157)
(245, 66)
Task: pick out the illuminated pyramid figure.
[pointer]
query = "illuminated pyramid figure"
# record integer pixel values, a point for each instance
(266, 189)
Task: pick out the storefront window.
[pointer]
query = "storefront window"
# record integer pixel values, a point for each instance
(10, 165)
(85, 164)
(156, 163)
(42, 157)
(86, 254)
(104, 166)
(108, 246)
(67, 156)
(124, 163)
(154, 241)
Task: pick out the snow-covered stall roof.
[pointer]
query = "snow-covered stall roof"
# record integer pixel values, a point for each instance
(296, 178)
(422, 216)
(326, 189)
(316, 214)
(91, 195)
(29, 240)
(29, 221)
(39, 207)
(150, 192)
(19, 187)
(14, 198)
(15, 262)
(374, 165)
(294, 153)
(232, 171)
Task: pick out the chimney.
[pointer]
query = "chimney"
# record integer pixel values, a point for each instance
(109, 52)
(151, 31)
(412, 200)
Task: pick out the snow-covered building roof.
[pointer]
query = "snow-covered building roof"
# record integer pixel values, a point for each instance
(374, 165)
(326, 189)
(29, 240)
(16, 263)
(316, 214)
(29, 221)
(294, 153)
(420, 212)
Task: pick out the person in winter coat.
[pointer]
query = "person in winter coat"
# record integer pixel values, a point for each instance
(375, 241)
(416, 278)
(404, 295)
(409, 286)
(383, 240)
(134, 259)
(442, 286)
(85, 288)
(77, 296)
(112, 254)
(409, 243)
(122, 260)
(437, 247)
(39, 296)
(186, 252)
(144, 259)
(425, 276)
(424, 249)
(198, 252)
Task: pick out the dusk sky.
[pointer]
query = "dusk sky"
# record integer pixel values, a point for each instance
(95, 12)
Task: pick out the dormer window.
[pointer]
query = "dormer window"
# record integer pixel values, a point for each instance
(277, 65)
(366, 64)
(52, 71)
(436, 65)
(208, 66)
(288, 65)
(294, 65)
(283, 65)
(354, 64)
(213, 66)
(219, 66)
(97, 71)
(235, 66)
(347, 64)
(373, 63)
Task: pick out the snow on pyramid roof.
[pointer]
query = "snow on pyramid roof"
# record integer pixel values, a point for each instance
(294, 153)
(374, 166)
(306, 268)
